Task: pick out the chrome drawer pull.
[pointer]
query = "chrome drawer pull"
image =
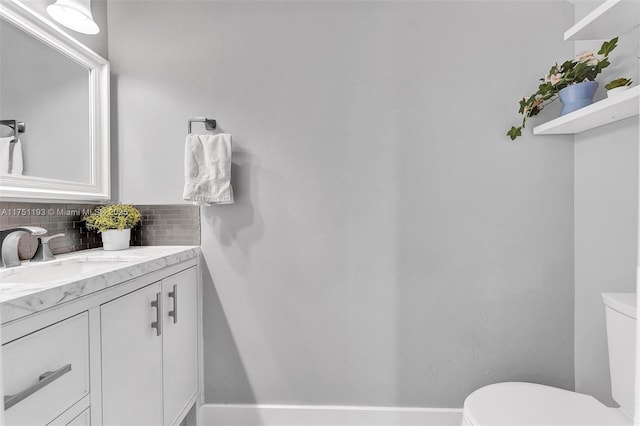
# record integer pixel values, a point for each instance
(43, 380)
(157, 324)
(174, 295)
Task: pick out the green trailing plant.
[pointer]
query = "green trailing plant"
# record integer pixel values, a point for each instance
(585, 67)
(113, 216)
(618, 82)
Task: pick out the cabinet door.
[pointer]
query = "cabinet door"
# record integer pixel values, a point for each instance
(132, 359)
(180, 342)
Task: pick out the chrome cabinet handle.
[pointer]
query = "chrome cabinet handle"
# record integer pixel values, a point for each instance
(174, 295)
(157, 324)
(44, 379)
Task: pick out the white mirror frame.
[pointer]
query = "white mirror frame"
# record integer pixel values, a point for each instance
(31, 188)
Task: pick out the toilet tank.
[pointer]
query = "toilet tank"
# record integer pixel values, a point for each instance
(620, 311)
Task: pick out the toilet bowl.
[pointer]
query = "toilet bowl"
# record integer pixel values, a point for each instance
(530, 404)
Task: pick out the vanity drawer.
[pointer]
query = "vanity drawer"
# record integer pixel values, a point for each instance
(81, 420)
(46, 372)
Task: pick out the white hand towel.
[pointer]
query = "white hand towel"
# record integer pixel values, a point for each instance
(5, 154)
(10, 156)
(16, 158)
(207, 169)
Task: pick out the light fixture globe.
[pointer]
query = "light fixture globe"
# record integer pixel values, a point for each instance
(74, 14)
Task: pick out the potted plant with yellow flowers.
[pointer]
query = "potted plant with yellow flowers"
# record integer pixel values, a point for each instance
(114, 222)
(573, 82)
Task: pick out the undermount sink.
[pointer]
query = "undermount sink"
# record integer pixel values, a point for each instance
(55, 270)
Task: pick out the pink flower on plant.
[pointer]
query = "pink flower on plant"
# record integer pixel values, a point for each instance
(553, 78)
(589, 57)
(537, 101)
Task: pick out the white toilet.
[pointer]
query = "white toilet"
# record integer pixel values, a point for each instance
(529, 404)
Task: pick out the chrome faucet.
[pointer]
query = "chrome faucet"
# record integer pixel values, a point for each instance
(9, 239)
(43, 252)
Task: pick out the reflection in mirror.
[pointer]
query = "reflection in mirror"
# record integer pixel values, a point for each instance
(49, 92)
(59, 88)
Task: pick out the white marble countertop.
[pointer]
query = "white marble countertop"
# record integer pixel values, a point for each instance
(23, 292)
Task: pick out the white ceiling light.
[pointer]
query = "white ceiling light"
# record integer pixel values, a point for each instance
(74, 14)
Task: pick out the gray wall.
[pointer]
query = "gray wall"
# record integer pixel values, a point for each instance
(389, 245)
(606, 220)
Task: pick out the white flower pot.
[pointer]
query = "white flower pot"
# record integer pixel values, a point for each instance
(616, 91)
(114, 239)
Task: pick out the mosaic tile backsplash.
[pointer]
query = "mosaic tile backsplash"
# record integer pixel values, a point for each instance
(161, 225)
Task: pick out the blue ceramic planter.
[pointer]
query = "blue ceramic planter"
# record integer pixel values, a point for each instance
(577, 96)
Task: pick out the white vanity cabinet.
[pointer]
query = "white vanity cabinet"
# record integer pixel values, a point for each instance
(180, 343)
(149, 352)
(82, 420)
(126, 354)
(46, 372)
(131, 360)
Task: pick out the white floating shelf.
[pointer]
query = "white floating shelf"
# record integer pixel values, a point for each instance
(610, 19)
(606, 111)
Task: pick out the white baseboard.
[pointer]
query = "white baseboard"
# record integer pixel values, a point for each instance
(321, 415)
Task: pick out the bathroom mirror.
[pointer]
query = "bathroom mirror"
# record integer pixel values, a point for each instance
(60, 90)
